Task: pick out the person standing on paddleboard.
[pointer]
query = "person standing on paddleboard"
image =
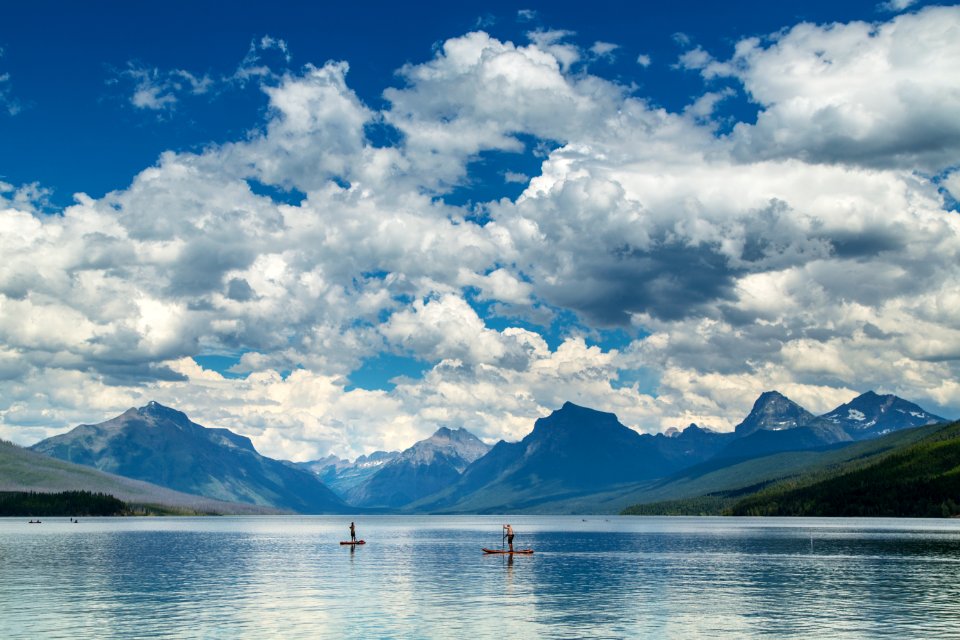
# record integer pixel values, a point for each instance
(509, 534)
(353, 534)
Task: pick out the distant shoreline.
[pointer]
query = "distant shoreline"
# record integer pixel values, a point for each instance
(63, 504)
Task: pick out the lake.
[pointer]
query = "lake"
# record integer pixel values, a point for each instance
(425, 577)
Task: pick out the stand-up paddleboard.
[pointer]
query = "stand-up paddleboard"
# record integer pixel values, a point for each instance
(525, 552)
(352, 543)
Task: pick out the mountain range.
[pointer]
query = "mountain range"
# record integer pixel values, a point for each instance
(575, 450)
(342, 475)
(906, 472)
(22, 470)
(575, 460)
(162, 446)
(425, 468)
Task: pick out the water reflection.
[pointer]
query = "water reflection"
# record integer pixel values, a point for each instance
(426, 577)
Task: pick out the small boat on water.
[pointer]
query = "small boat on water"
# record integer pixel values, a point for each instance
(348, 542)
(515, 552)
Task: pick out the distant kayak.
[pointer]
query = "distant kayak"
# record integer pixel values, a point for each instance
(525, 552)
(357, 542)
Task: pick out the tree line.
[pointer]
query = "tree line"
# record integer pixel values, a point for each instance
(64, 503)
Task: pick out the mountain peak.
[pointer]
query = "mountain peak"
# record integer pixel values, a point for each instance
(157, 411)
(871, 414)
(570, 410)
(573, 407)
(454, 434)
(572, 451)
(445, 442)
(771, 396)
(572, 426)
(773, 411)
(459, 436)
(424, 468)
(163, 446)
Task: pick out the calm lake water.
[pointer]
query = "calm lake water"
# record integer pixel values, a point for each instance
(425, 577)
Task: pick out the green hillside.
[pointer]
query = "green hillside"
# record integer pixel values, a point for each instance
(714, 488)
(920, 480)
(25, 471)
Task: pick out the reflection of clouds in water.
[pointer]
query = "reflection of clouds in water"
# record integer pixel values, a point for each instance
(427, 577)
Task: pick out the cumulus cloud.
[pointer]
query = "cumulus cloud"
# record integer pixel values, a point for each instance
(697, 59)
(772, 257)
(479, 92)
(552, 41)
(703, 107)
(860, 93)
(29, 197)
(316, 133)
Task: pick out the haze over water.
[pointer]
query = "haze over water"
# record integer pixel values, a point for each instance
(425, 577)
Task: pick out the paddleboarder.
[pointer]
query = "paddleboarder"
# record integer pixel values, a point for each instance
(509, 533)
(353, 534)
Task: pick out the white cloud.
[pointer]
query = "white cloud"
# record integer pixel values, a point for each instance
(895, 6)
(158, 90)
(478, 92)
(514, 177)
(695, 59)
(162, 90)
(705, 105)
(317, 132)
(644, 60)
(602, 49)
(882, 95)
(8, 103)
(444, 329)
(526, 15)
(29, 197)
(551, 42)
(266, 58)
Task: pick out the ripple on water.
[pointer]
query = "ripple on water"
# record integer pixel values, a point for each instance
(425, 577)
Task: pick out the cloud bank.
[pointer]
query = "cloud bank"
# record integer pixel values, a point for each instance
(812, 250)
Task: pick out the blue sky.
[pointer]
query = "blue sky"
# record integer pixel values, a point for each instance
(336, 228)
(78, 132)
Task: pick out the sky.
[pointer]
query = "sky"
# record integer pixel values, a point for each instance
(335, 229)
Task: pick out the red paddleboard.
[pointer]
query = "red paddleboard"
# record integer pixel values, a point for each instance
(357, 542)
(525, 552)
